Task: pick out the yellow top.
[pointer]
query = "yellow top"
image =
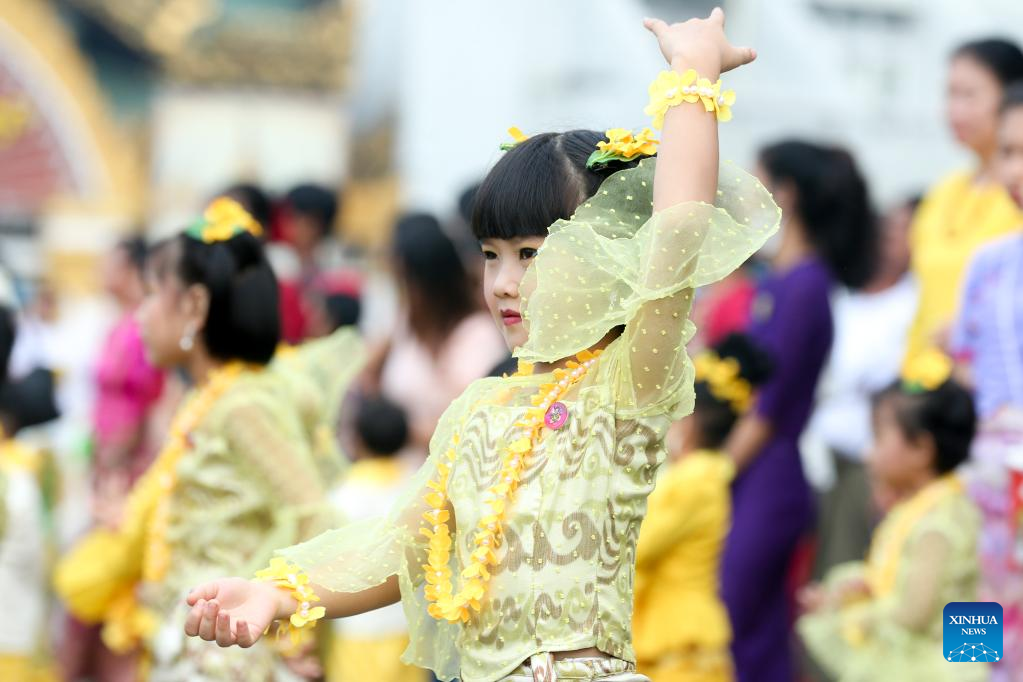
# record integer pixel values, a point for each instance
(957, 217)
(923, 556)
(678, 557)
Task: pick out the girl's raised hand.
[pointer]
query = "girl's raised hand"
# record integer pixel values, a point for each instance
(700, 44)
(233, 611)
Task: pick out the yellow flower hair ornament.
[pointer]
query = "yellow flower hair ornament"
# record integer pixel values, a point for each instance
(724, 381)
(622, 145)
(518, 137)
(927, 371)
(224, 219)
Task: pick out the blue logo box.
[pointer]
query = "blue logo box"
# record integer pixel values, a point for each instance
(972, 632)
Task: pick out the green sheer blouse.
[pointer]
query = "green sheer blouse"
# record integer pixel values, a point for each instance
(249, 484)
(567, 562)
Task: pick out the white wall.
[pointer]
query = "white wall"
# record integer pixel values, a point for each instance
(866, 73)
(206, 139)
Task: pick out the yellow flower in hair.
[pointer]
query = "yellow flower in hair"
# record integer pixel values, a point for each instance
(622, 145)
(222, 220)
(644, 143)
(517, 136)
(722, 376)
(926, 371)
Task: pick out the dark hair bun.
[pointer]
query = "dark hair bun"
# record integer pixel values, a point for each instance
(244, 317)
(754, 363)
(946, 414)
(382, 425)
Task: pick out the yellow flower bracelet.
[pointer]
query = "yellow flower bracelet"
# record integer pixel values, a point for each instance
(672, 88)
(290, 577)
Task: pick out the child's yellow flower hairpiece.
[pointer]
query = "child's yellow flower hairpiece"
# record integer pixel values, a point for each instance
(517, 136)
(927, 371)
(224, 219)
(623, 145)
(724, 381)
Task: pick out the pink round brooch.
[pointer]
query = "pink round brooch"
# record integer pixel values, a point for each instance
(557, 415)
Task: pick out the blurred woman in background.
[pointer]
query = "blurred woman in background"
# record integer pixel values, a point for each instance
(236, 477)
(827, 237)
(968, 208)
(444, 340)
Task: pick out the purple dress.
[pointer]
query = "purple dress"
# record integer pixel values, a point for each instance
(772, 502)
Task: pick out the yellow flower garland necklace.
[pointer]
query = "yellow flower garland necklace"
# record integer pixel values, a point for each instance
(445, 603)
(157, 555)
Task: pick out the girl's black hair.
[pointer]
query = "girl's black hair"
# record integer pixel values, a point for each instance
(8, 332)
(946, 414)
(1013, 96)
(254, 200)
(1003, 58)
(316, 202)
(342, 310)
(28, 401)
(833, 202)
(715, 417)
(136, 250)
(537, 182)
(433, 274)
(382, 426)
(243, 322)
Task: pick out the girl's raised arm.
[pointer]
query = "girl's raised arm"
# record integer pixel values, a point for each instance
(688, 241)
(687, 162)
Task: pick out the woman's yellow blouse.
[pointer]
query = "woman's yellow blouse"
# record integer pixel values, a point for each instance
(956, 218)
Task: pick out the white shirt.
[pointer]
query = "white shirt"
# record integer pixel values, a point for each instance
(23, 586)
(866, 355)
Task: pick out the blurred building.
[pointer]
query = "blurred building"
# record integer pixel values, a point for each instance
(123, 113)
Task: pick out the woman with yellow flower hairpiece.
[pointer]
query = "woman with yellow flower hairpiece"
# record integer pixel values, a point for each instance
(512, 550)
(235, 478)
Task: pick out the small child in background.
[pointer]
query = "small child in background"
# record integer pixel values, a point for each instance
(24, 545)
(369, 646)
(680, 543)
(332, 302)
(882, 619)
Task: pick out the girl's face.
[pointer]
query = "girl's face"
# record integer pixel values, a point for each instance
(505, 264)
(168, 313)
(1010, 153)
(894, 460)
(974, 95)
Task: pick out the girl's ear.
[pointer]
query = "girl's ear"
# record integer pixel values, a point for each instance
(196, 303)
(923, 452)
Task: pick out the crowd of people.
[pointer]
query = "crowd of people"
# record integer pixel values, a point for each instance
(544, 470)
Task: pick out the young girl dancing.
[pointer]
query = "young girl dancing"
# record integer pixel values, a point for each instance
(513, 550)
(882, 619)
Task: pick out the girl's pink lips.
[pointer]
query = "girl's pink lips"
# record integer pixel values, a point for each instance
(510, 318)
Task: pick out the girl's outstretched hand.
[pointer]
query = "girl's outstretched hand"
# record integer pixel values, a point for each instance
(700, 44)
(233, 611)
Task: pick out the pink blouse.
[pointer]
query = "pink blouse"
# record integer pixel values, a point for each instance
(127, 387)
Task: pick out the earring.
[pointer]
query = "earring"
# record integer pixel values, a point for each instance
(187, 341)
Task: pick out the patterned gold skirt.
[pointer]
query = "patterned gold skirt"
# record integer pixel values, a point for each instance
(543, 668)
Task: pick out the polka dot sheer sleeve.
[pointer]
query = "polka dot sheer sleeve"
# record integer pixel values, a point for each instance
(614, 265)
